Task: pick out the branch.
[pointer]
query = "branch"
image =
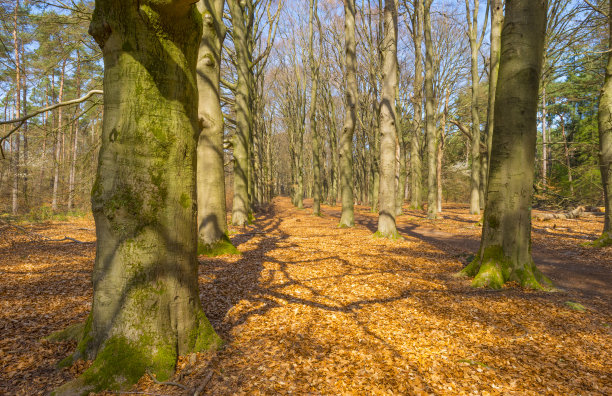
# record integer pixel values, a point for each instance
(23, 119)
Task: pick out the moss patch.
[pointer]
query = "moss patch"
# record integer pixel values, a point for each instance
(575, 306)
(603, 241)
(222, 247)
(493, 269)
(203, 337)
(71, 333)
(394, 236)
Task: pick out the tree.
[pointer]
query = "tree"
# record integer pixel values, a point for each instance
(430, 114)
(415, 143)
(314, 72)
(605, 142)
(497, 19)
(144, 198)
(212, 224)
(475, 44)
(388, 118)
(350, 117)
(505, 247)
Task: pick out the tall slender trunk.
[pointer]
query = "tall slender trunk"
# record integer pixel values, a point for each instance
(143, 198)
(497, 19)
(58, 134)
(505, 247)
(605, 143)
(441, 150)
(568, 162)
(415, 143)
(17, 140)
(75, 137)
(430, 114)
(314, 71)
(544, 141)
(350, 117)
(210, 175)
(242, 139)
(475, 175)
(388, 119)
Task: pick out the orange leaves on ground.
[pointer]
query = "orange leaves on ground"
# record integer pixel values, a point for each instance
(313, 309)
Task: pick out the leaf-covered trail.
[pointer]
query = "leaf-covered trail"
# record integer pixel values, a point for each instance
(313, 309)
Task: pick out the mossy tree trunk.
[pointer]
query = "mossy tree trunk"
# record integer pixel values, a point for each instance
(605, 144)
(144, 197)
(505, 248)
(417, 100)
(350, 117)
(430, 115)
(241, 208)
(388, 117)
(212, 225)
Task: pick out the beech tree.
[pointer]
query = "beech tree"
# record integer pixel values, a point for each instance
(212, 223)
(144, 197)
(505, 247)
(605, 142)
(388, 119)
(350, 117)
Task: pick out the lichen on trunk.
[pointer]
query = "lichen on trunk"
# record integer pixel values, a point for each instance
(143, 198)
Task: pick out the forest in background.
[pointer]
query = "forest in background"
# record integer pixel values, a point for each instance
(48, 161)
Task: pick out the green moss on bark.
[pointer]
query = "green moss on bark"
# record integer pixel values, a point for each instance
(222, 247)
(493, 269)
(203, 337)
(71, 333)
(394, 236)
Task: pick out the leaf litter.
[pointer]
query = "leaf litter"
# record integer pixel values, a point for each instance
(313, 309)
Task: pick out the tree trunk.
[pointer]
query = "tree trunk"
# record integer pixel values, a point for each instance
(505, 248)
(212, 223)
(544, 141)
(430, 115)
(605, 144)
(144, 197)
(568, 162)
(386, 214)
(15, 153)
(497, 19)
(57, 146)
(75, 137)
(314, 71)
(350, 117)
(474, 49)
(241, 209)
(415, 144)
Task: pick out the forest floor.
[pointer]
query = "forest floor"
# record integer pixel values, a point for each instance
(313, 309)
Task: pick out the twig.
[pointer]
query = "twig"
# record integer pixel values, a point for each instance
(140, 393)
(204, 383)
(166, 382)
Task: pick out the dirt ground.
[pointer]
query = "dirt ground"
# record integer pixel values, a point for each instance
(313, 309)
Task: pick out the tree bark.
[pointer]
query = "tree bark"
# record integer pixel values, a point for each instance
(605, 143)
(15, 154)
(241, 209)
(58, 142)
(505, 248)
(497, 20)
(430, 115)
(388, 117)
(144, 197)
(212, 223)
(415, 143)
(314, 71)
(474, 49)
(350, 117)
